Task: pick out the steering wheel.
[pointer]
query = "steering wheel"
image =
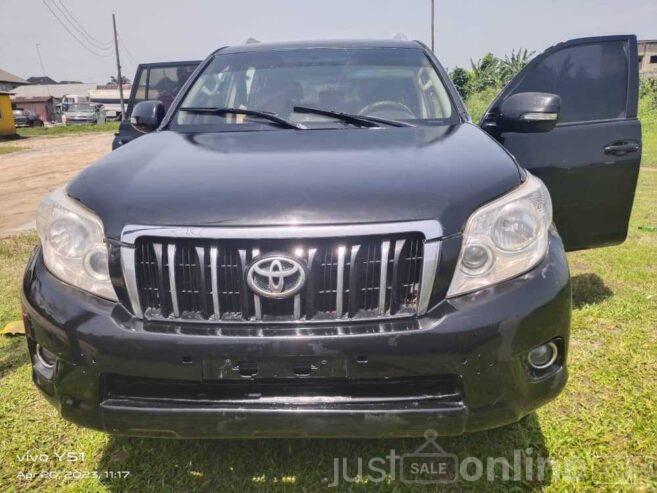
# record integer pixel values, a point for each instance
(388, 106)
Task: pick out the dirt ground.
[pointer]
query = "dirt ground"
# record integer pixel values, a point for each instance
(47, 162)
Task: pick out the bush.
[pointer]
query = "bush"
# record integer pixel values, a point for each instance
(648, 91)
(487, 75)
(461, 79)
(478, 102)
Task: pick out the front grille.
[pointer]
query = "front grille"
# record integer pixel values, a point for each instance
(347, 278)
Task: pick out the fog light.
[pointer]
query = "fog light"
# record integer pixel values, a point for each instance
(543, 356)
(477, 260)
(45, 357)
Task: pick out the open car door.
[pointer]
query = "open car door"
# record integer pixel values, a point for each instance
(160, 81)
(570, 118)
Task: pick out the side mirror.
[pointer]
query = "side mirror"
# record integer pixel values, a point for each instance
(530, 112)
(147, 116)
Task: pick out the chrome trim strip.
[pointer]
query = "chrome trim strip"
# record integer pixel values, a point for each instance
(383, 276)
(430, 228)
(244, 295)
(214, 251)
(130, 278)
(257, 305)
(42, 360)
(429, 266)
(171, 256)
(297, 306)
(339, 283)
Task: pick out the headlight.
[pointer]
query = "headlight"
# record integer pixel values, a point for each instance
(73, 243)
(504, 238)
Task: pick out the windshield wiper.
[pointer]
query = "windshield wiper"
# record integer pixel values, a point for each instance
(239, 111)
(361, 120)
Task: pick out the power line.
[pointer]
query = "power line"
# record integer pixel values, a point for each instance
(127, 50)
(81, 43)
(75, 23)
(43, 69)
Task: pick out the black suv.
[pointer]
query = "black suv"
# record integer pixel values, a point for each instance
(315, 240)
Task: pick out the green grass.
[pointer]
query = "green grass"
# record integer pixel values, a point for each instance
(7, 149)
(648, 117)
(60, 130)
(605, 422)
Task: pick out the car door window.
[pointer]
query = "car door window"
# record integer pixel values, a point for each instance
(139, 90)
(164, 83)
(591, 80)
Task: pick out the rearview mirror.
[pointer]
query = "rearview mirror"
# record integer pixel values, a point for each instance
(530, 112)
(147, 116)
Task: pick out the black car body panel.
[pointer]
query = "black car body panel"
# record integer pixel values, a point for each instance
(190, 349)
(297, 177)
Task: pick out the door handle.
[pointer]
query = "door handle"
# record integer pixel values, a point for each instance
(621, 148)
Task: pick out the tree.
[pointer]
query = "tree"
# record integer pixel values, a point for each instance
(114, 81)
(510, 66)
(461, 79)
(485, 72)
(491, 71)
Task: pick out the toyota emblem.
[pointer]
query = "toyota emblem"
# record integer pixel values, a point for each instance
(276, 275)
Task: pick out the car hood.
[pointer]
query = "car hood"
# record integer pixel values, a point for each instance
(279, 177)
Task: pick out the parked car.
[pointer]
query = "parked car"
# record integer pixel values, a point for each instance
(160, 81)
(26, 118)
(83, 114)
(315, 240)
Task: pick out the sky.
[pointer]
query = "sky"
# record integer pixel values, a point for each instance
(162, 30)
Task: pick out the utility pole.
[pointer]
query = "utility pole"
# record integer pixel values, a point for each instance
(118, 66)
(433, 27)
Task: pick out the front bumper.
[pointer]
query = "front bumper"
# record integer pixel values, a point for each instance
(462, 367)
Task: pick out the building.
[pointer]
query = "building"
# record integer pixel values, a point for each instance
(648, 57)
(45, 107)
(41, 80)
(7, 126)
(109, 97)
(9, 81)
(57, 91)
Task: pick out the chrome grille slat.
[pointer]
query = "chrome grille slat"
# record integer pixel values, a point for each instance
(353, 279)
(257, 305)
(201, 280)
(171, 257)
(348, 278)
(383, 274)
(339, 284)
(244, 294)
(216, 307)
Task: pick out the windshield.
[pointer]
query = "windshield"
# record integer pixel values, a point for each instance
(81, 107)
(389, 83)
